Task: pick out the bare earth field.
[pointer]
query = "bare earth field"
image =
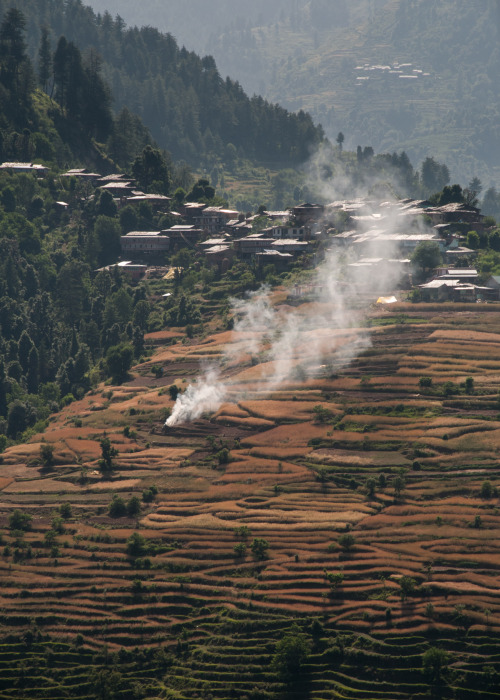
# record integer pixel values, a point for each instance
(366, 450)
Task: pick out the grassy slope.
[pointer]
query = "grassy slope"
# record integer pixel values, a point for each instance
(293, 481)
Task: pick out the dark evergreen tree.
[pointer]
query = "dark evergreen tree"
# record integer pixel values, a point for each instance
(44, 60)
(32, 374)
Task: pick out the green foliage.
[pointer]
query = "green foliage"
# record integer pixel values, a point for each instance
(47, 454)
(473, 240)
(107, 452)
(434, 664)
(322, 414)
(426, 255)
(407, 586)
(117, 507)
(291, 655)
(240, 549)
(486, 490)
(118, 361)
(242, 531)
(347, 542)
(136, 545)
(133, 507)
(20, 521)
(65, 510)
(259, 548)
(224, 456)
(151, 171)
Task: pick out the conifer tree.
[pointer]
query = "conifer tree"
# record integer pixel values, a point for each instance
(44, 60)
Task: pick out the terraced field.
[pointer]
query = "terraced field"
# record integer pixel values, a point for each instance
(356, 511)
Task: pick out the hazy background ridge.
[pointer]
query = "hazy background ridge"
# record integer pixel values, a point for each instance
(307, 54)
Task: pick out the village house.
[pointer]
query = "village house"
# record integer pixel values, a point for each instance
(33, 168)
(82, 174)
(139, 243)
(456, 212)
(461, 274)
(157, 201)
(278, 215)
(250, 245)
(119, 189)
(133, 270)
(290, 246)
(307, 213)
(183, 235)
(300, 233)
(365, 270)
(280, 260)
(459, 254)
(210, 242)
(237, 227)
(220, 255)
(447, 290)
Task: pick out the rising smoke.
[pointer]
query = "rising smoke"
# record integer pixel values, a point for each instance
(294, 343)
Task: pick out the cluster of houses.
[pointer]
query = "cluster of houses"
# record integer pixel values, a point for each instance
(382, 237)
(378, 237)
(220, 234)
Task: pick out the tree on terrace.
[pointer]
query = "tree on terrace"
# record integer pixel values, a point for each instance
(291, 655)
(426, 256)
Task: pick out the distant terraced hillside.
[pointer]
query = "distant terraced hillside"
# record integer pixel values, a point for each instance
(305, 55)
(177, 598)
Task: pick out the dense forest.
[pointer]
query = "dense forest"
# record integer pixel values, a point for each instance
(58, 321)
(189, 109)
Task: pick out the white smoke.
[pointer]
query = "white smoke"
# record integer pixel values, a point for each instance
(294, 343)
(206, 395)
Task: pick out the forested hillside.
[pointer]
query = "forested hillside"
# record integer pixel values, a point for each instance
(58, 320)
(328, 57)
(189, 108)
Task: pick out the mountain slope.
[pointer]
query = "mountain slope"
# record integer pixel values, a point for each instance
(181, 97)
(305, 55)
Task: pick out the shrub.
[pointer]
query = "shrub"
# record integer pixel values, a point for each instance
(58, 525)
(117, 507)
(65, 510)
(137, 545)
(347, 542)
(133, 506)
(20, 521)
(425, 382)
(147, 496)
(47, 454)
(290, 656)
(243, 531)
(486, 489)
(259, 548)
(240, 549)
(173, 390)
(469, 385)
(434, 662)
(224, 456)
(407, 586)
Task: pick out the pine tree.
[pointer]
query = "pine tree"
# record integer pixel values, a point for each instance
(33, 375)
(44, 60)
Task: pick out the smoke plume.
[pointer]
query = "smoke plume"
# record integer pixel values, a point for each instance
(295, 341)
